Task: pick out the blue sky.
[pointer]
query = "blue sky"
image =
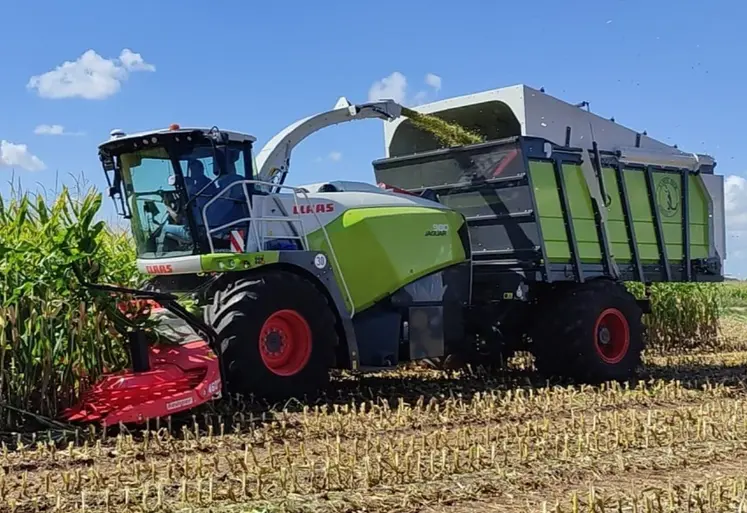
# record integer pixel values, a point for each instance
(671, 68)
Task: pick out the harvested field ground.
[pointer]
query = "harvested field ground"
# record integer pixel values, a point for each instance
(426, 441)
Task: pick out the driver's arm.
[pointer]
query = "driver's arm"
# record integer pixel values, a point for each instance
(172, 213)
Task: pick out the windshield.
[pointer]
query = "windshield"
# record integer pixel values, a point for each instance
(167, 206)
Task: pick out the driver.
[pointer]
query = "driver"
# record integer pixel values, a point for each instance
(231, 206)
(195, 182)
(196, 178)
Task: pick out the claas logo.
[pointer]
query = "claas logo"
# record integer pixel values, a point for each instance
(159, 269)
(319, 208)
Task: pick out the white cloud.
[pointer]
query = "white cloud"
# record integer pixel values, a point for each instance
(90, 76)
(49, 130)
(394, 87)
(735, 205)
(132, 61)
(420, 97)
(54, 130)
(433, 80)
(334, 156)
(18, 155)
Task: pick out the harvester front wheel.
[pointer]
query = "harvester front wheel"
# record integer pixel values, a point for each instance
(591, 333)
(278, 335)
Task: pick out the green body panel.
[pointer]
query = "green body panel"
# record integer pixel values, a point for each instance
(221, 262)
(381, 249)
(550, 213)
(668, 198)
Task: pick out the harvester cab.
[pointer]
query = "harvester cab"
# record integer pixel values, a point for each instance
(163, 181)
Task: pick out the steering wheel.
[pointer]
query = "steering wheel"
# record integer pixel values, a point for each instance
(155, 234)
(151, 208)
(171, 199)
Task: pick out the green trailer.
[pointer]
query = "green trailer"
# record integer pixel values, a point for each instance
(562, 207)
(520, 242)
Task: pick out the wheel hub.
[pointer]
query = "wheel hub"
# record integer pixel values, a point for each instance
(275, 342)
(285, 343)
(611, 336)
(604, 335)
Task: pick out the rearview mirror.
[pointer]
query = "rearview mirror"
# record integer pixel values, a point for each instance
(107, 161)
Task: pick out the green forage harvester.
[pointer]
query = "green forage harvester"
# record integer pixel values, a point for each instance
(500, 221)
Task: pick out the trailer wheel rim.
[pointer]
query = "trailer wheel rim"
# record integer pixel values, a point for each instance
(611, 336)
(285, 343)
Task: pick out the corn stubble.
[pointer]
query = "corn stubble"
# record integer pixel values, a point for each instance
(652, 442)
(671, 442)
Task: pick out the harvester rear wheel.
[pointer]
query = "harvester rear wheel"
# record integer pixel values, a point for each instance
(278, 335)
(591, 333)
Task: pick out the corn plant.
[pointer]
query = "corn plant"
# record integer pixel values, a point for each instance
(54, 333)
(684, 316)
(734, 295)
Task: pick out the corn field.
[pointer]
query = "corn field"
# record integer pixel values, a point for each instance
(685, 316)
(54, 334)
(411, 440)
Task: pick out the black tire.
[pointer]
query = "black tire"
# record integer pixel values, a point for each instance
(239, 313)
(592, 333)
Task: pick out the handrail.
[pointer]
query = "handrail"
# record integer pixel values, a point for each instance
(290, 219)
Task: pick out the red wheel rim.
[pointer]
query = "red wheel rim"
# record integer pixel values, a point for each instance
(611, 336)
(285, 342)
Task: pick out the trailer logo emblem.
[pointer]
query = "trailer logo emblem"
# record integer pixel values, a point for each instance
(668, 197)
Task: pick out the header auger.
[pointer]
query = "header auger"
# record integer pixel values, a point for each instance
(521, 241)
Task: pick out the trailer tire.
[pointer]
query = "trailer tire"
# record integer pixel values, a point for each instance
(277, 336)
(592, 333)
